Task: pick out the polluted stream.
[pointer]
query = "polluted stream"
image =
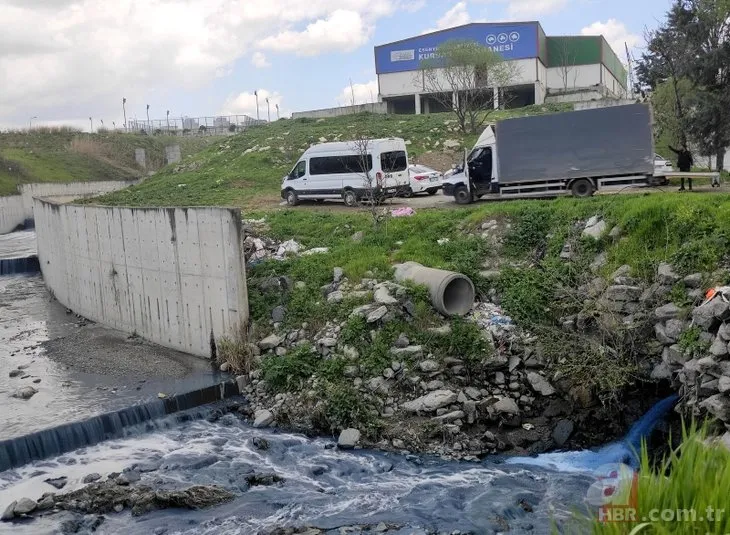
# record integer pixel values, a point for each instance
(79, 370)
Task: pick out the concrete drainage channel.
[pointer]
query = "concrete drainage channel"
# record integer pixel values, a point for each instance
(65, 438)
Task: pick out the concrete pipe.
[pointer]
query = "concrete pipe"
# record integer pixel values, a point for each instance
(452, 294)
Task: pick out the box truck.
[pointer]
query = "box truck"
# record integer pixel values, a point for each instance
(575, 152)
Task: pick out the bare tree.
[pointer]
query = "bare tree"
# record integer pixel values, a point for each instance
(463, 76)
(566, 60)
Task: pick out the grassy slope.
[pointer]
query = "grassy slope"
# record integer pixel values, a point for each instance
(226, 174)
(63, 156)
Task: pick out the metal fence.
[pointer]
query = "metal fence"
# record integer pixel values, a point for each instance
(219, 125)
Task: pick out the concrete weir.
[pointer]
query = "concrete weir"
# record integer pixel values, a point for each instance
(64, 438)
(174, 276)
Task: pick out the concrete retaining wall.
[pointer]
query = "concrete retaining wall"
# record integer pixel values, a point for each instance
(12, 213)
(174, 276)
(373, 107)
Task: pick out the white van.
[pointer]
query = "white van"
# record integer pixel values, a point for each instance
(340, 170)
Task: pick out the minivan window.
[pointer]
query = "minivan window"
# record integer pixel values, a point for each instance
(330, 165)
(299, 170)
(393, 161)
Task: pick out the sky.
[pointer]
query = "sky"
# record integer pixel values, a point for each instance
(63, 61)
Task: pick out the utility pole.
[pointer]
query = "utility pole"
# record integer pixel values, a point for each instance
(268, 109)
(149, 124)
(124, 111)
(256, 94)
(168, 121)
(277, 112)
(30, 122)
(91, 123)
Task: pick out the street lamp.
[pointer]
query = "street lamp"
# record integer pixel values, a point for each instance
(268, 109)
(91, 123)
(277, 112)
(168, 121)
(30, 122)
(124, 110)
(256, 94)
(149, 125)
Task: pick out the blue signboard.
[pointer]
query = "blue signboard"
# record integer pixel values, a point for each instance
(512, 41)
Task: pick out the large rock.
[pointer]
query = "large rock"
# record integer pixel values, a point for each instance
(562, 431)
(428, 366)
(270, 342)
(667, 312)
(378, 385)
(669, 333)
(622, 292)
(506, 406)
(410, 351)
(349, 438)
(25, 392)
(337, 274)
(9, 512)
(430, 402)
(674, 356)
(719, 347)
(540, 384)
(723, 384)
(25, 506)
(718, 406)
(661, 371)
(595, 227)
(724, 332)
(335, 297)
(263, 418)
(709, 315)
(666, 275)
(383, 297)
(450, 416)
(693, 281)
(377, 314)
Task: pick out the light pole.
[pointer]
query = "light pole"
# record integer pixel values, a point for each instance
(30, 122)
(124, 111)
(256, 94)
(168, 121)
(268, 109)
(277, 112)
(149, 125)
(114, 125)
(91, 123)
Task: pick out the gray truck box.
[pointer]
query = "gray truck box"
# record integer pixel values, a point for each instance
(600, 142)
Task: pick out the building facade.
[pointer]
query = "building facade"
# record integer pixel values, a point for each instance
(557, 69)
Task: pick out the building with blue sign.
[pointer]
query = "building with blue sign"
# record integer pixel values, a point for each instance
(565, 68)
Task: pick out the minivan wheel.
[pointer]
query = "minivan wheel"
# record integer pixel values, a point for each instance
(407, 192)
(292, 199)
(462, 195)
(350, 198)
(582, 188)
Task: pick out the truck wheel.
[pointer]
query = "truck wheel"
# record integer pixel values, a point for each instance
(292, 199)
(462, 195)
(350, 198)
(582, 188)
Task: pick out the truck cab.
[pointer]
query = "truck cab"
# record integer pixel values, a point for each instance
(479, 176)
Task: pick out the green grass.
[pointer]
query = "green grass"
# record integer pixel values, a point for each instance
(675, 495)
(248, 167)
(66, 156)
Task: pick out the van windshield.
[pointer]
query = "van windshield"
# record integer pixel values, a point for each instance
(394, 161)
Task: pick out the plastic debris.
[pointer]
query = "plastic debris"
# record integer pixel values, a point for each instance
(289, 246)
(315, 250)
(442, 241)
(406, 211)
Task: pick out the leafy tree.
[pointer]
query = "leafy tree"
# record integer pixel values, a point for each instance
(471, 71)
(694, 45)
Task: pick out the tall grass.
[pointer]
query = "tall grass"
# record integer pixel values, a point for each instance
(687, 492)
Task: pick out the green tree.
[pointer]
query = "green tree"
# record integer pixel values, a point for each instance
(471, 72)
(693, 44)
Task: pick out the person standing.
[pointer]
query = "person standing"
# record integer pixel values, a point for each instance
(684, 163)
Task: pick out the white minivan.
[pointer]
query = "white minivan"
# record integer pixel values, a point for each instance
(343, 170)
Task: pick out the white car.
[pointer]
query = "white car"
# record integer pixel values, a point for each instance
(662, 165)
(422, 180)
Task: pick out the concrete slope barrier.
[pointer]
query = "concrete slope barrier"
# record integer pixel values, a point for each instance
(12, 213)
(18, 209)
(174, 276)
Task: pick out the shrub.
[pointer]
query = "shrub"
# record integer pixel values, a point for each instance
(526, 294)
(287, 373)
(344, 407)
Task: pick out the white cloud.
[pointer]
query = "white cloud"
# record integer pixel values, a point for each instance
(360, 93)
(81, 56)
(616, 33)
(245, 104)
(456, 16)
(342, 30)
(528, 9)
(259, 60)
